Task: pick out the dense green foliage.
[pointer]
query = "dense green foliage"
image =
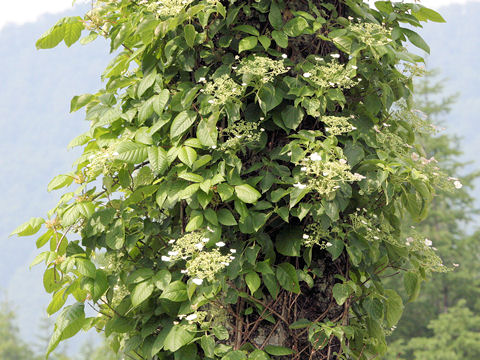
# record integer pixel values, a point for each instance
(424, 325)
(256, 161)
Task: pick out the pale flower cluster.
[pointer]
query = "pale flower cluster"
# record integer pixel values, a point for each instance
(100, 161)
(315, 234)
(337, 125)
(223, 89)
(332, 74)
(371, 34)
(165, 8)
(326, 175)
(200, 263)
(241, 133)
(261, 67)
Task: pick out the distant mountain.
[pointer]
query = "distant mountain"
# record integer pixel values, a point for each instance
(35, 91)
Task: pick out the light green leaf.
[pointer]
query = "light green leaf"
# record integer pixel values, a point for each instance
(182, 123)
(146, 83)
(142, 292)
(160, 101)
(187, 155)
(86, 267)
(416, 40)
(278, 350)
(177, 337)
(225, 217)
(189, 33)
(31, 227)
(58, 300)
(80, 101)
(394, 307)
(247, 43)
(295, 27)
(412, 284)
(253, 281)
(162, 279)
(341, 292)
(247, 194)
(73, 30)
(175, 291)
(131, 152)
(157, 157)
(287, 277)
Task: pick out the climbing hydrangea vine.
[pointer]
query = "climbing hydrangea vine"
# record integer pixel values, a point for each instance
(244, 182)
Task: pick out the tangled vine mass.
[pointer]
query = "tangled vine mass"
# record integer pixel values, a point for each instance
(245, 182)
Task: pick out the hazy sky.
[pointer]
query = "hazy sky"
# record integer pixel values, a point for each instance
(23, 11)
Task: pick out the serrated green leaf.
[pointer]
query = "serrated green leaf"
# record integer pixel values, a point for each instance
(177, 337)
(131, 152)
(175, 291)
(182, 123)
(187, 155)
(142, 292)
(287, 277)
(146, 83)
(157, 157)
(247, 43)
(253, 281)
(28, 228)
(247, 194)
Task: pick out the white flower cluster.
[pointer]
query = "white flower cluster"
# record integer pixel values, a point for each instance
(332, 74)
(371, 34)
(261, 67)
(325, 175)
(165, 8)
(337, 125)
(200, 263)
(240, 133)
(100, 161)
(315, 234)
(223, 89)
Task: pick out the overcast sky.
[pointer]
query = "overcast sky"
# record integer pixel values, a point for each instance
(23, 11)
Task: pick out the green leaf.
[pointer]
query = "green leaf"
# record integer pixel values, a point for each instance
(412, 284)
(394, 307)
(175, 291)
(249, 29)
(140, 275)
(278, 350)
(258, 355)
(68, 323)
(187, 155)
(177, 337)
(52, 37)
(225, 217)
(289, 241)
(247, 43)
(57, 302)
(428, 14)
(292, 116)
(275, 16)
(225, 191)
(160, 101)
(73, 30)
(207, 133)
(287, 277)
(208, 345)
(131, 152)
(341, 292)
(280, 38)
(190, 34)
(31, 227)
(182, 123)
(247, 194)
(300, 324)
(235, 355)
(253, 281)
(86, 267)
(115, 237)
(194, 223)
(416, 40)
(146, 83)
(162, 279)
(296, 26)
(80, 101)
(157, 157)
(191, 177)
(142, 292)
